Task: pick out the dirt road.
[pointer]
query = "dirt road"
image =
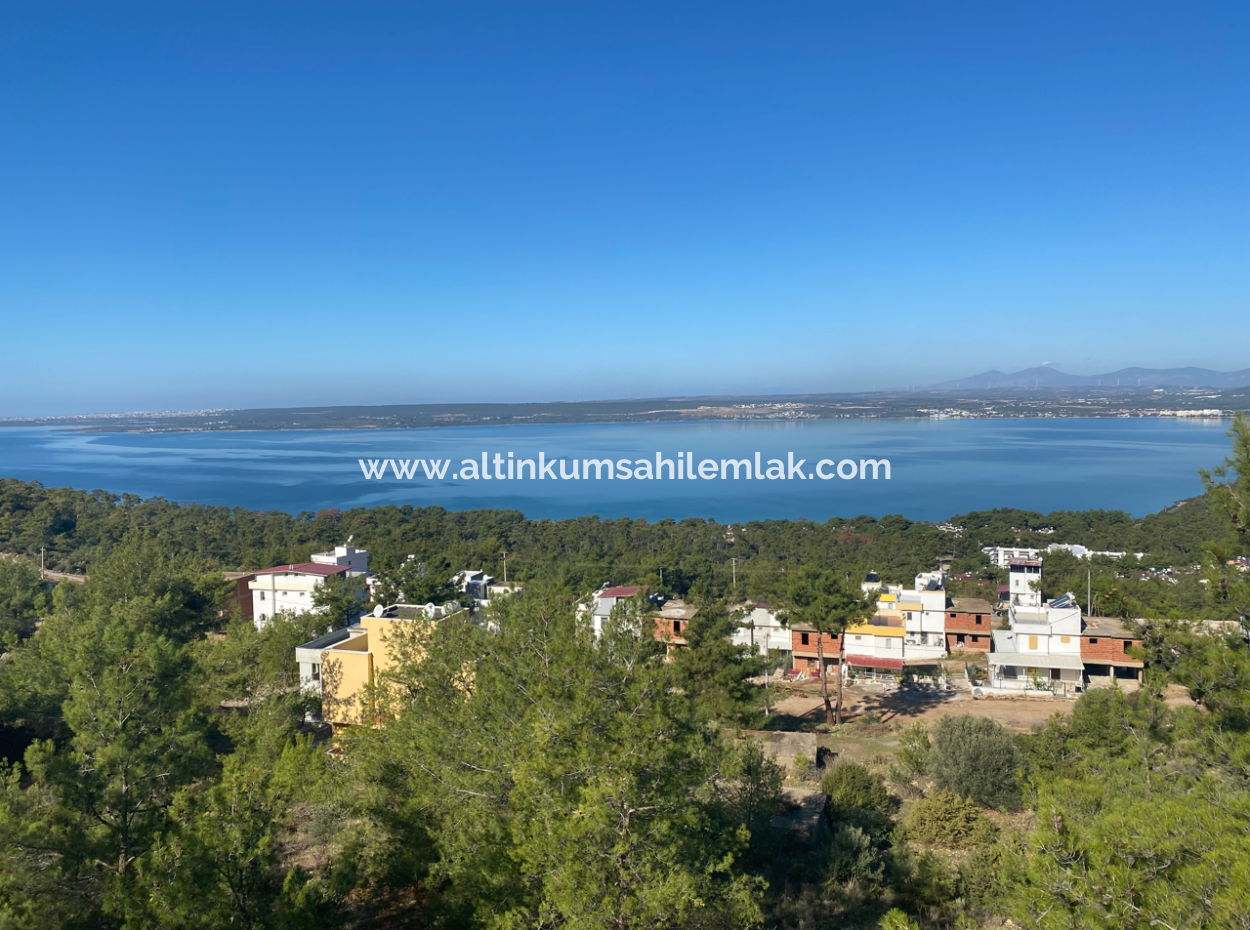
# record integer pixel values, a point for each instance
(906, 707)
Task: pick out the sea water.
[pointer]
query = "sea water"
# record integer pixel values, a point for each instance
(938, 468)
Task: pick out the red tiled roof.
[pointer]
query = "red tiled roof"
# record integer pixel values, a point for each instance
(1030, 563)
(764, 605)
(305, 568)
(623, 590)
(874, 662)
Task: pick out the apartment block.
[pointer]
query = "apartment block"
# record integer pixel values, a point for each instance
(340, 666)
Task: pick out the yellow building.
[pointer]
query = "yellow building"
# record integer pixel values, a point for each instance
(341, 665)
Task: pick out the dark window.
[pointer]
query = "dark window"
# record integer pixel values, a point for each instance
(1054, 674)
(1093, 642)
(676, 626)
(959, 639)
(803, 638)
(979, 619)
(316, 673)
(952, 616)
(1127, 643)
(976, 639)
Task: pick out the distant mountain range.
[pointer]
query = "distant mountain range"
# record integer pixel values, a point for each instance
(1045, 376)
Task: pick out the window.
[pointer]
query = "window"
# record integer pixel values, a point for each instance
(1032, 642)
(676, 626)
(1055, 674)
(262, 595)
(1126, 645)
(980, 619)
(803, 639)
(1065, 639)
(1093, 641)
(953, 616)
(975, 640)
(959, 640)
(316, 673)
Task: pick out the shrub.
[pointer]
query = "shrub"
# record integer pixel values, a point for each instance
(852, 786)
(975, 758)
(913, 752)
(944, 819)
(859, 855)
(985, 876)
(895, 919)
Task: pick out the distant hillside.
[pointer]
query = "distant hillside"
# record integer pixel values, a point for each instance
(1045, 376)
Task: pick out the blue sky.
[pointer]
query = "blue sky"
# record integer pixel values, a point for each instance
(264, 204)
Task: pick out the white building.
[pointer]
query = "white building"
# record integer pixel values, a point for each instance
(1022, 577)
(602, 601)
(922, 612)
(1043, 644)
(1083, 553)
(761, 630)
(908, 629)
(355, 560)
(290, 588)
(875, 647)
(475, 584)
(1001, 556)
(926, 627)
(872, 584)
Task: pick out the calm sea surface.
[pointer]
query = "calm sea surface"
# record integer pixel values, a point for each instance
(938, 467)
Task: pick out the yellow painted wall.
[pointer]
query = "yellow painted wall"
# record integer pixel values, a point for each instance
(346, 669)
(384, 635)
(344, 674)
(867, 630)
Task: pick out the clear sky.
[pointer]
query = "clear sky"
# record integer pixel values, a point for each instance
(270, 204)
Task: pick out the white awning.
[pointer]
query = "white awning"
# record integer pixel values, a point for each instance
(1035, 660)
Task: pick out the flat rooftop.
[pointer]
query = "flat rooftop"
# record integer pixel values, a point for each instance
(971, 605)
(1109, 627)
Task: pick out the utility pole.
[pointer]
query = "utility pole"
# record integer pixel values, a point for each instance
(735, 571)
(1089, 592)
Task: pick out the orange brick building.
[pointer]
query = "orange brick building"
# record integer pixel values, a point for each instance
(1105, 645)
(969, 622)
(804, 645)
(672, 622)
